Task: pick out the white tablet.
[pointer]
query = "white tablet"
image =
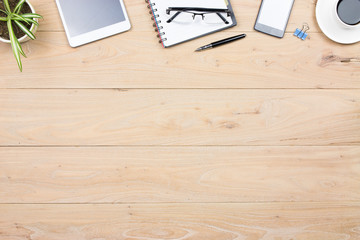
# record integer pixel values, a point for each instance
(90, 20)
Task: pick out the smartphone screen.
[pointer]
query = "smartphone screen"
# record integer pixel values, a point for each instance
(273, 17)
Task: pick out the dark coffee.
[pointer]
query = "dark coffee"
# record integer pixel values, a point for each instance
(349, 11)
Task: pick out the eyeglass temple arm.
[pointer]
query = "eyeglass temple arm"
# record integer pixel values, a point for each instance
(173, 17)
(224, 19)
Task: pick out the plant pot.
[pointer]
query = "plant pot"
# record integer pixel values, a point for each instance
(33, 29)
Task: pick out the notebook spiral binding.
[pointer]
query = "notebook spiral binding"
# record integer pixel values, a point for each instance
(156, 24)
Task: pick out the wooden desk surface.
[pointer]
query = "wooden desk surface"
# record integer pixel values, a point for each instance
(122, 139)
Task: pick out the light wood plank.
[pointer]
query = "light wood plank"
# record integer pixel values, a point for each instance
(300, 221)
(179, 117)
(179, 174)
(180, 192)
(245, 11)
(136, 60)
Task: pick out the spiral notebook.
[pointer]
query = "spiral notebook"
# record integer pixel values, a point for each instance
(186, 26)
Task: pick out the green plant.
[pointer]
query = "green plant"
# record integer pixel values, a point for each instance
(14, 16)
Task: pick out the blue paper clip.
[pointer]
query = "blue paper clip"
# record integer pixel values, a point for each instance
(302, 33)
(304, 36)
(297, 32)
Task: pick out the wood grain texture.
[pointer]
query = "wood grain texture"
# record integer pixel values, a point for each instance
(179, 174)
(300, 221)
(123, 140)
(136, 60)
(179, 117)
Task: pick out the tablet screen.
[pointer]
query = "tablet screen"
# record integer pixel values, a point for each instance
(82, 16)
(275, 13)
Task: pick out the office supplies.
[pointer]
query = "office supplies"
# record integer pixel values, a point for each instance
(178, 21)
(221, 42)
(90, 20)
(273, 17)
(332, 27)
(302, 33)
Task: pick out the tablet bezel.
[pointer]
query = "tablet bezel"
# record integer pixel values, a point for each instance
(98, 33)
(271, 30)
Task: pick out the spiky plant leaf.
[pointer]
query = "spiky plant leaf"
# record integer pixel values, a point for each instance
(33, 21)
(3, 11)
(31, 15)
(25, 30)
(19, 6)
(29, 20)
(7, 6)
(18, 46)
(18, 17)
(14, 44)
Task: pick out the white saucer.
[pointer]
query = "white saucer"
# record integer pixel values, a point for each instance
(330, 26)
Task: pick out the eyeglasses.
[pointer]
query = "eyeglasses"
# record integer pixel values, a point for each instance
(207, 14)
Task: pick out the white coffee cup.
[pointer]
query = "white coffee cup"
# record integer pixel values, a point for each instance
(338, 18)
